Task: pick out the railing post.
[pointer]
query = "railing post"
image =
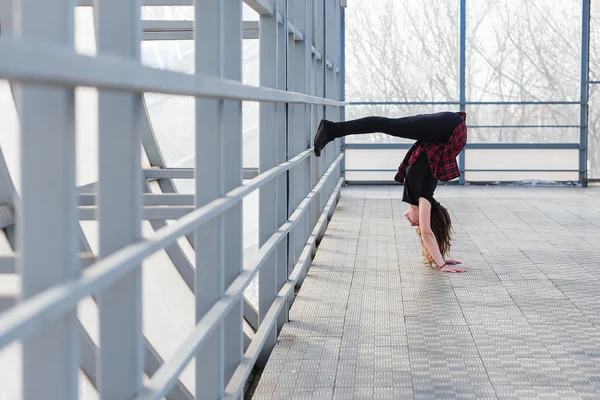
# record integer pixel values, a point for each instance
(281, 154)
(319, 73)
(267, 214)
(46, 215)
(231, 167)
(343, 81)
(301, 68)
(584, 107)
(463, 79)
(209, 239)
(309, 164)
(120, 206)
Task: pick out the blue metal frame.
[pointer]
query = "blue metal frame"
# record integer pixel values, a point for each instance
(470, 146)
(463, 79)
(585, 76)
(468, 103)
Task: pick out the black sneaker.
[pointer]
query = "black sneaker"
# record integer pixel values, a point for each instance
(324, 135)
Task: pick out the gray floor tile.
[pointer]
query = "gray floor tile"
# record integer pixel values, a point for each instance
(371, 321)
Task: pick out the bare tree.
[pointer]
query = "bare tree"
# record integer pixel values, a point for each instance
(408, 50)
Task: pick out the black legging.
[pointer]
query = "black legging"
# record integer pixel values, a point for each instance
(436, 127)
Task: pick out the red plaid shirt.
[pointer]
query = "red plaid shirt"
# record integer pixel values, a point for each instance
(442, 157)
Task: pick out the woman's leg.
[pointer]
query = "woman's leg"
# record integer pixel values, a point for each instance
(427, 127)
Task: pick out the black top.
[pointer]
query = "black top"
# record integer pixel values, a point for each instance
(419, 182)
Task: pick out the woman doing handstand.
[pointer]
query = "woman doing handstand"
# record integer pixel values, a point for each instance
(440, 137)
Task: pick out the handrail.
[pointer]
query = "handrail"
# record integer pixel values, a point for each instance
(64, 67)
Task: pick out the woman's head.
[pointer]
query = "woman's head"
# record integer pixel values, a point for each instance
(441, 226)
(412, 215)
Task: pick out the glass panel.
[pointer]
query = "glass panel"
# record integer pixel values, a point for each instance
(10, 371)
(523, 115)
(173, 122)
(523, 50)
(172, 117)
(86, 103)
(174, 55)
(248, 14)
(595, 41)
(518, 114)
(168, 302)
(523, 135)
(169, 13)
(251, 76)
(185, 13)
(402, 50)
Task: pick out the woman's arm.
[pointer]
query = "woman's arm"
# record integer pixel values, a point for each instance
(429, 237)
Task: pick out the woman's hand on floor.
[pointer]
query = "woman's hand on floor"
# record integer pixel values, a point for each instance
(450, 268)
(452, 262)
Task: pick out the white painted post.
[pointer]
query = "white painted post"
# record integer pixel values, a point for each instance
(300, 174)
(231, 165)
(281, 155)
(120, 206)
(209, 239)
(267, 214)
(46, 217)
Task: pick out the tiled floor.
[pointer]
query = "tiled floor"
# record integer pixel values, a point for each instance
(371, 321)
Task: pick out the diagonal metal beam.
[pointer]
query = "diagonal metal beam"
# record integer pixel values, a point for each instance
(7, 196)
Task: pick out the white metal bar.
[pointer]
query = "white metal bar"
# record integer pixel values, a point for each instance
(260, 6)
(267, 223)
(231, 169)
(329, 21)
(281, 143)
(188, 173)
(167, 375)
(320, 72)
(293, 111)
(47, 237)
(250, 27)
(308, 113)
(209, 238)
(154, 199)
(31, 62)
(26, 318)
(121, 363)
(236, 385)
(149, 213)
(183, 30)
(162, 25)
(301, 63)
(6, 18)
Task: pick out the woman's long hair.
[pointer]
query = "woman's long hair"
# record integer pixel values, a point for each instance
(441, 226)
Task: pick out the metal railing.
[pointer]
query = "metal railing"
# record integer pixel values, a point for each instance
(300, 83)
